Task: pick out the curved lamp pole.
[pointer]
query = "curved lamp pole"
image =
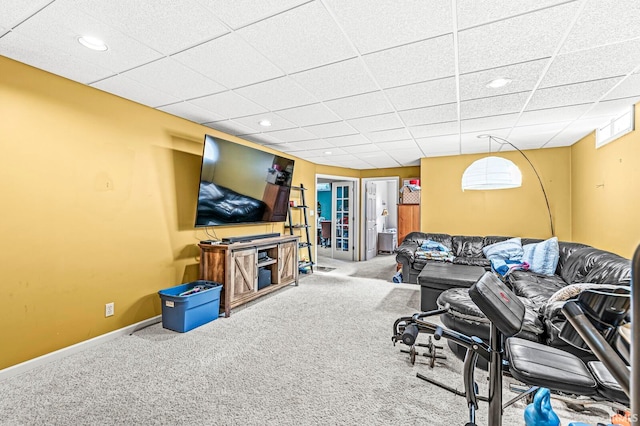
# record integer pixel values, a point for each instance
(503, 141)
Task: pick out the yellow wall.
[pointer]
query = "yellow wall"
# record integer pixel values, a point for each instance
(98, 206)
(513, 212)
(606, 193)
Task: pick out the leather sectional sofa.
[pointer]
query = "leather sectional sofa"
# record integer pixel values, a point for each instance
(577, 264)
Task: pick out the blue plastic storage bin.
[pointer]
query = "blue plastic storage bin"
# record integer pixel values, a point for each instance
(184, 313)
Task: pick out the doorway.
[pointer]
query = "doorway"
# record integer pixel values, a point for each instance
(380, 198)
(337, 218)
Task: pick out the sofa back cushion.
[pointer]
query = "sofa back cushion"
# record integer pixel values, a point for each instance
(492, 239)
(467, 246)
(592, 265)
(420, 237)
(566, 248)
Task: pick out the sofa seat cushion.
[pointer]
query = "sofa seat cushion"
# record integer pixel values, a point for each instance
(472, 261)
(535, 287)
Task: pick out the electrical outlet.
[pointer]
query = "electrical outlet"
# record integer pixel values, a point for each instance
(109, 309)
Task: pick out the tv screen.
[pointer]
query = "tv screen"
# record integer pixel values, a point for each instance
(241, 185)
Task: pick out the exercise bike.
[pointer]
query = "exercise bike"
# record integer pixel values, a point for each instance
(534, 364)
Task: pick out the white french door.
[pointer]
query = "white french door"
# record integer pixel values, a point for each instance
(343, 220)
(371, 231)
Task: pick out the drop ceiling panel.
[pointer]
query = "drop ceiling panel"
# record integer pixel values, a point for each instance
(191, 112)
(15, 11)
(572, 94)
(380, 162)
(356, 149)
(165, 26)
(239, 13)
(380, 24)
(312, 145)
(439, 129)
(228, 104)
(231, 127)
(253, 122)
(568, 137)
(496, 105)
(292, 135)
(413, 63)
(323, 83)
(613, 108)
(553, 115)
(408, 155)
(349, 140)
(60, 25)
(434, 92)
(484, 124)
(518, 39)
(137, 92)
(630, 86)
(389, 135)
(360, 105)
(170, 76)
(308, 115)
(279, 93)
(430, 115)
(328, 130)
(476, 12)
(299, 39)
(524, 77)
(230, 61)
(49, 58)
(392, 146)
(439, 146)
(263, 139)
(376, 122)
(604, 22)
(534, 137)
(606, 61)
(321, 152)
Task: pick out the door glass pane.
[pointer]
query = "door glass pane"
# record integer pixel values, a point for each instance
(339, 192)
(346, 192)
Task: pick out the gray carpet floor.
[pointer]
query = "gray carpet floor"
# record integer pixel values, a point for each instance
(316, 354)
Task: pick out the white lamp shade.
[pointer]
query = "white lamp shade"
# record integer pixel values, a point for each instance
(491, 173)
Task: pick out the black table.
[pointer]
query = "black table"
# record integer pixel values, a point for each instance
(437, 277)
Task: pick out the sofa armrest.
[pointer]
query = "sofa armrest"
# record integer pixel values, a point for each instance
(406, 252)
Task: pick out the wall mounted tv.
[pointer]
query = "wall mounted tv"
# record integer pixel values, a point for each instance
(241, 185)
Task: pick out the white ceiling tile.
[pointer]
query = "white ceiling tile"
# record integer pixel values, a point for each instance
(440, 146)
(166, 26)
(434, 92)
(603, 22)
(593, 64)
(328, 130)
(360, 105)
(228, 104)
(630, 86)
(348, 140)
(309, 115)
(611, 109)
(321, 152)
(16, 11)
(483, 124)
(523, 76)
(380, 24)
(173, 78)
(376, 122)
(412, 63)
(519, 39)
(552, 115)
(49, 58)
(253, 122)
(230, 61)
(382, 162)
(314, 144)
(440, 129)
(60, 25)
(392, 146)
(572, 94)
(231, 127)
(137, 92)
(533, 137)
(279, 93)
(407, 154)
(263, 139)
(292, 135)
(496, 105)
(191, 112)
(430, 115)
(239, 13)
(322, 81)
(299, 39)
(569, 136)
(356, 149)
(476, 12)
(389, 135)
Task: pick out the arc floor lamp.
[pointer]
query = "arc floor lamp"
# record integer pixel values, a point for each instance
(493, 172)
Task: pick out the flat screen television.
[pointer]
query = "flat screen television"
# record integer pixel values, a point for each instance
(241, 185)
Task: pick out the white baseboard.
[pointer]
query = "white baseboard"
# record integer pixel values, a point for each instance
(69, 350)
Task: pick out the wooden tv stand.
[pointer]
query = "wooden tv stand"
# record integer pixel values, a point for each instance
(236, 266)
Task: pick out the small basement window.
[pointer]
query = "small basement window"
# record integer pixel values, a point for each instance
(615, 128)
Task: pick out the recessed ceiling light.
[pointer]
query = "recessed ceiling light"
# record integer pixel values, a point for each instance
(92, 43)
(498, 82)
(327, 152)
(265, 123)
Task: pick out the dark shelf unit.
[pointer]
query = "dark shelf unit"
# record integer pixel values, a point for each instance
(302, 264)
